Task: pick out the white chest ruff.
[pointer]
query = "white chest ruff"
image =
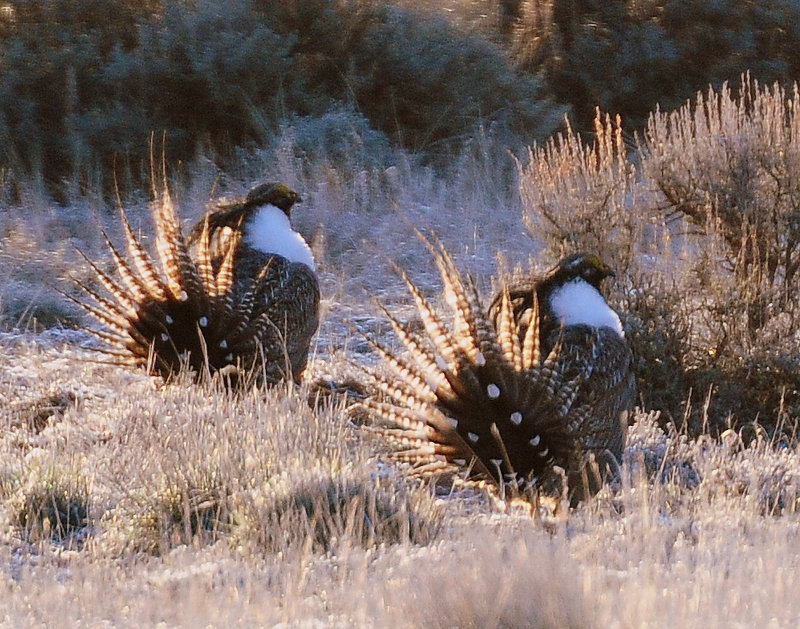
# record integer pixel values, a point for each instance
(270, 231)
(578, 302)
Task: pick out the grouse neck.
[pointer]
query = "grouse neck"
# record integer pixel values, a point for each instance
(577, 302)
(269, 231)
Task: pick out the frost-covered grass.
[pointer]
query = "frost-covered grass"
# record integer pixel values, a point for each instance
(127, 501)
(202, 509)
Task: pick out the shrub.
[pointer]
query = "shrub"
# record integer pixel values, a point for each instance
(50, 502)
(82, 97)
(729, 166)
(712, 315)
(582, 197)
(626, 56)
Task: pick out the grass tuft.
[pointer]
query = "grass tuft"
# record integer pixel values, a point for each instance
(49, 501)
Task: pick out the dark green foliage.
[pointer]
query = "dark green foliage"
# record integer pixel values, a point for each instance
(84, 84)
(626, 56)
(81, 92)
(78, 93)
(417, 77)
(421, 85)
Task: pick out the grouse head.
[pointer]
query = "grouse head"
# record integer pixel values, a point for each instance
(568, 294)
(579, 266)
(277, 194)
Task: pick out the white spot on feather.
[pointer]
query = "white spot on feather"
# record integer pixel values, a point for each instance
(535, 441)
(170, 320)
(516, 418)
(183, 296)
(460, 461)
(223, 344)
(453, 422)
(270, 231)
(203, 321)
(472, 437)
(164, 337)
(578, 302)
(493, 391)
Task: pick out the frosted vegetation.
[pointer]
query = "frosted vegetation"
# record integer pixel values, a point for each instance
(129, 501)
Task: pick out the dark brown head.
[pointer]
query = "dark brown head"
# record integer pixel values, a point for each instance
(587, 266)
(277, 194)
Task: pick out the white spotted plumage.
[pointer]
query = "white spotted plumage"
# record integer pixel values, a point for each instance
(521, 392)
(213, 301)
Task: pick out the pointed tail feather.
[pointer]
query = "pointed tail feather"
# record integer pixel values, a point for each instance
(176, 311)
(502, 407)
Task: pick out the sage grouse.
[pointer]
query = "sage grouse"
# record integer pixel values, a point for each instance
(241, 296)
(540, 382)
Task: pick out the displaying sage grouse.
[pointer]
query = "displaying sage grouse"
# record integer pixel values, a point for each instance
(240, 297)
(542, 381)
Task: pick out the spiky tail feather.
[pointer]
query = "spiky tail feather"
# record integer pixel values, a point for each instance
(474, 395)
(177, 312)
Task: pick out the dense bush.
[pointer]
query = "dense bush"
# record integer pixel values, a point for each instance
(578, 196)
(626, 55)
(706, 232)
(730, 165)
(82, 90)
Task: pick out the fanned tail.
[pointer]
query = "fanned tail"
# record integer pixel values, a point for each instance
(470, 394)
(178, 310)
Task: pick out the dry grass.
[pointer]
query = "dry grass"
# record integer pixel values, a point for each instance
(125, 501)
(699, 533)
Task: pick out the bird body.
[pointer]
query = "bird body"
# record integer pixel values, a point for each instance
(213, 303)
(268, 248)
(541, 382)
(574, 314)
